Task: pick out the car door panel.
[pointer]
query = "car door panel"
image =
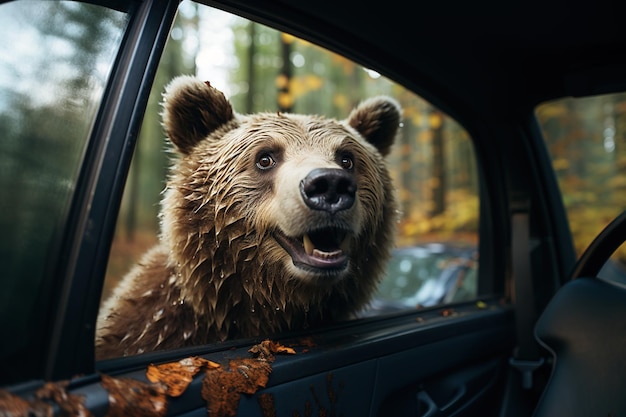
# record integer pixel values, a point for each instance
(458, 392)
(423, 364)
(343, 391)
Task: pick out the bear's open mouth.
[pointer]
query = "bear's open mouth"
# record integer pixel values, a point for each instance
(322, 249)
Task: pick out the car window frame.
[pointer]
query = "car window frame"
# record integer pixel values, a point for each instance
(79, 275)
(491, 274)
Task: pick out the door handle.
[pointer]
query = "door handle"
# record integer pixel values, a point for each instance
(426, 407)
(458, 396)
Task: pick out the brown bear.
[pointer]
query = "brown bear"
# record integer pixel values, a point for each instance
(269, 222)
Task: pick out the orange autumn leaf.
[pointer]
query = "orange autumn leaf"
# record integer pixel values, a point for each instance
(129, 397)
(13, 405)
(70, 404)
(284, 349)
(222, 388)
(267, 348)
(176, 376)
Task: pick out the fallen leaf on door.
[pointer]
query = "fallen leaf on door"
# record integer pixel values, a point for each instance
(267, 348)
(176, 376)
(70, 404)
(129, 397)
(222, 388)
(15, 406)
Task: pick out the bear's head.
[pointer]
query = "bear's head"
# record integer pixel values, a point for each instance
(288, 218)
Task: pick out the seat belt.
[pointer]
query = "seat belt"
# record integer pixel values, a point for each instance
(527, 356)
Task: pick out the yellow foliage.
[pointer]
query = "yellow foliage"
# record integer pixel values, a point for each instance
(410, 111)
(285, 100)
(560, 164)
(403, 194)
(304, 84)
(417, 119)
(587, 220)
(313, 82)
(435, 120)
(617, 182)
(347, 65)
(550, 110)
(340, 100)
(282, 81)
(306, 43)
(296, 87)
(460, 218)
(287, 38)
(413, 114)
(425, 136)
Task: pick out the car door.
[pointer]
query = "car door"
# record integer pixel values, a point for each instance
(421, 352)
(75, 76)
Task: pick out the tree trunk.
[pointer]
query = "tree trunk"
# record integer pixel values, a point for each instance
(439, 168)
(251, 73)
(285, 101)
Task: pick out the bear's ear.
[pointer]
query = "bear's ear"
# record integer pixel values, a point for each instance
(378, 120)
(192, 109)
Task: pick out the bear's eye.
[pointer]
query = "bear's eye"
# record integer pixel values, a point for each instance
(347, 162)
(265, 161)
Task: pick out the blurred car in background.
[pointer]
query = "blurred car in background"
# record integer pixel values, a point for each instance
(427, 275)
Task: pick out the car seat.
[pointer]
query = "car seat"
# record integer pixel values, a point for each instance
(584, 328)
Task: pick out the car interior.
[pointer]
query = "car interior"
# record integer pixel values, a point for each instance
(508, 300)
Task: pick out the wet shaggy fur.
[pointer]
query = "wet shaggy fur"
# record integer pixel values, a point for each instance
(231, 260)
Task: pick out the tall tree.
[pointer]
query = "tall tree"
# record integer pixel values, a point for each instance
(285, 97)
(251, 67)
(150, 161)
(439, 174)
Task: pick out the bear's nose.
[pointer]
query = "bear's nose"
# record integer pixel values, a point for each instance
(328, 189)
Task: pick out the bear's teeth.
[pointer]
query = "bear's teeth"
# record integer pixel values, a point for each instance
(326, 255)
(308, 245)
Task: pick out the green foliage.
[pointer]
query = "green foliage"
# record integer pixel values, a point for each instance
(138, 222)
(57, 59)
(49, 100)
(150, 164)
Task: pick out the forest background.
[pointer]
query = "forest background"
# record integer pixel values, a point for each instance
(433, 164)
(54, 69)
(259, 69)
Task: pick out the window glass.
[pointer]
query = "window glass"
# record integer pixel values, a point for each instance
(55, 58)
(260, 69)
(586, 138)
